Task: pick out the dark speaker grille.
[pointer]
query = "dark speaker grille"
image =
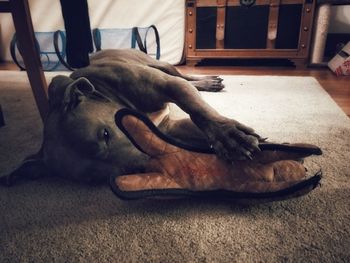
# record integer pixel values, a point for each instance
(206, 28)
(288, 30)
(246, 27)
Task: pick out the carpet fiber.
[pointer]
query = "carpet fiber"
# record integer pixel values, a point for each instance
(55, 220)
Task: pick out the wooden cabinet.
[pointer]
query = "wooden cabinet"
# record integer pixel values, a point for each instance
(248, 29)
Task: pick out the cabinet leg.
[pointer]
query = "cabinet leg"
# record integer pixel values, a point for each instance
(300, 63)
(192, 62)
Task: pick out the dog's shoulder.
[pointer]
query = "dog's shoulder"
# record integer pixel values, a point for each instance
(130, 56)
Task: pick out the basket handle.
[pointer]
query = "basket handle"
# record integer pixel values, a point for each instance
(56, 35)
(96, 35)
(136, 34)
(156, 33)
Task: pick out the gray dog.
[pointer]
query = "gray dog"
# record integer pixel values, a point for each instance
(81, 139)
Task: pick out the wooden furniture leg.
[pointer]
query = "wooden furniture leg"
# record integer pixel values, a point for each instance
(2, 121)
(300, 63)
(26, 45)
(192, 62)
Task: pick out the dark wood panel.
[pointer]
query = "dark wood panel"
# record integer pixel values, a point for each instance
(5, 6)
(201, 3)
(238, 39)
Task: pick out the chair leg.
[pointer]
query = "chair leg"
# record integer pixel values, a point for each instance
(2, 121)
(26, 45)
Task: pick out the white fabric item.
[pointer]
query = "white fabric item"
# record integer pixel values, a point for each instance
(166, 15)
(122, 38)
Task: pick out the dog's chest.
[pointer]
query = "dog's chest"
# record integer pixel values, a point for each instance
(158, 116)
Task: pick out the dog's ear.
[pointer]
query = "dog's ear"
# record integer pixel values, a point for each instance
(66, 93)
(57, 90)
(32, 167)
(82, 87)
(76, 92)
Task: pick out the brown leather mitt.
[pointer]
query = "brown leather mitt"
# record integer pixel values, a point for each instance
(176, 169)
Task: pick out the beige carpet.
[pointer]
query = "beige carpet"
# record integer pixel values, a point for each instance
(57, 221)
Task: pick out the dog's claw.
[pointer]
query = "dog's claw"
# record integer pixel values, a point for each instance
(263, 139)
(233, 140)
(257, 149)
(249, 156)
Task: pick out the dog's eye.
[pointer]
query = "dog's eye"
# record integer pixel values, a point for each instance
(104, 135)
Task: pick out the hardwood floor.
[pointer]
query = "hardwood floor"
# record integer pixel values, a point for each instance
(337, 87)
(8, 66)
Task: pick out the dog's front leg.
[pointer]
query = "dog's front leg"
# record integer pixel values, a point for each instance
(148, 89)
(230, 139)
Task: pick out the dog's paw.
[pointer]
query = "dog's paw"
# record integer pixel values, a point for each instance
(215, 85)
(232, 140)
(209, 83)
(212, 77)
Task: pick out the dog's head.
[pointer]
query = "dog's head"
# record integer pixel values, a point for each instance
(81, 140)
